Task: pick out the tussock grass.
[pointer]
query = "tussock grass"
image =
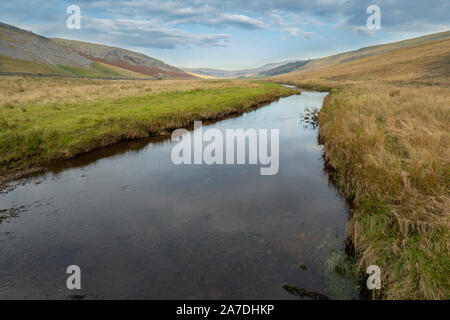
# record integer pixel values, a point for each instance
(42, 120)
(385, 130)
(42, 91)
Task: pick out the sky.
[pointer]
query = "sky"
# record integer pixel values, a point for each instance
(231, 34)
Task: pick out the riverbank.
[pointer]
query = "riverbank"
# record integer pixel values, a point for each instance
(50, 119)
(385, 133)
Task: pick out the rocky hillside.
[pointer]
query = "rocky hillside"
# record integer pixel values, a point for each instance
(19, 44)
(122, 58)
(25, 52)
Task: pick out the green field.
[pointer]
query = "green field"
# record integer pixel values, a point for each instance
(33, 134)
(97, 71)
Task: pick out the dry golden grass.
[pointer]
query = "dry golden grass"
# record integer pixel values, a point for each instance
(418, 64)
(22, 91)
(336, 60)
(385, 129)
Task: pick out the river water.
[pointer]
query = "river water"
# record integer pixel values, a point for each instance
(141, 227)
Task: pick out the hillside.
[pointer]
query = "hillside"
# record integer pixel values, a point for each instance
(427, 63)
(240, 73)
(122, 58)
(25, 52)
(357, 54)
(386, 140)
(286, 68)
(40, 53)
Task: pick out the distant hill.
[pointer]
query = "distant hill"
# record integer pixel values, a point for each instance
(241, 73)
(426, 63)
(356, 54)
(279, 68)
(286, 68)
(26, 52)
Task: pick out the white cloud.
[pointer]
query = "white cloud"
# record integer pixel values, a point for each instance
(141, 33)
(299, 33)
(294, 32)
(162, 24)
(221, 20)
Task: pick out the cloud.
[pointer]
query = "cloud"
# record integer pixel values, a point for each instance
(170, 24)
(294, 32)
(298, 33)
(148, 34)
(279, 19)
(180, 12)
(222, 20)
(397, 15)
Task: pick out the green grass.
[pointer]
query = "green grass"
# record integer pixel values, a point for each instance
(98, 71)
(8, 64)
(35, 134)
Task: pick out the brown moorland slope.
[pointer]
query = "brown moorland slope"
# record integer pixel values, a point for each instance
(385, 130)
(337, 59)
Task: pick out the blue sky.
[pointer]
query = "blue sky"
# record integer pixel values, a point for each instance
(230, 34)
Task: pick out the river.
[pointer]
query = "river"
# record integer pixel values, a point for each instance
(140, 227)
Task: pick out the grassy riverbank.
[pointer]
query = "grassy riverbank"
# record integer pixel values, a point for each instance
(42, 120)
(385, 129)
